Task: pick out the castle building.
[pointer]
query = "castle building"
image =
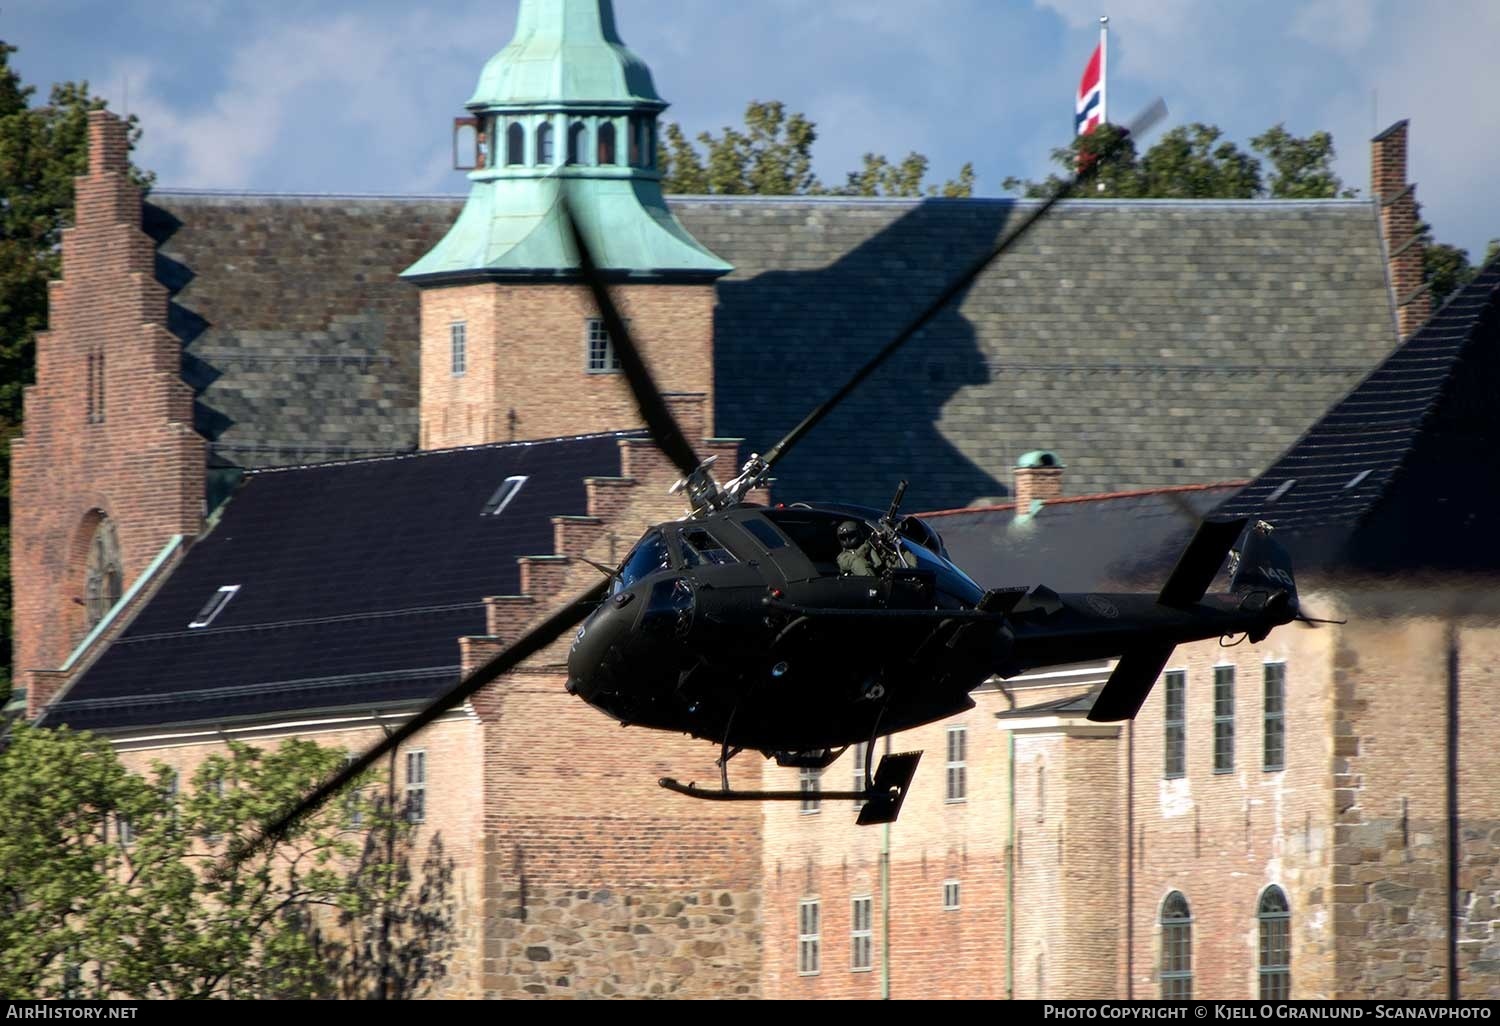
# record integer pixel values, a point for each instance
(293, 464)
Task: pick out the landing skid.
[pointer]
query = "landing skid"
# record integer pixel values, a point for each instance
(882, 799)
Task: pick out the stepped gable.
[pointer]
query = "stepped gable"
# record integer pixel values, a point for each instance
(1403, 473)
(355, 581)
(299, 338)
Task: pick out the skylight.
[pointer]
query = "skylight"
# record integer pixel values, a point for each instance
(215, 606)
(1358, 479)
(503, 495)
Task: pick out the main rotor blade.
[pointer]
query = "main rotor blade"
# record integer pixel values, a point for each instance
(1143, 123)
(528, 645)
(648, 398)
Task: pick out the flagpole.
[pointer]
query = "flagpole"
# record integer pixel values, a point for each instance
(1104, 70)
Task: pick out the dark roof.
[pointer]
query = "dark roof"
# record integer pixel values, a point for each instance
(1095, 542)
(1149, 342)
(1079, 704)
(299, 337)
(356, 580)
(1404, 471)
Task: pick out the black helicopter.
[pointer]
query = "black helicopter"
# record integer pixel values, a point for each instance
(742, 624)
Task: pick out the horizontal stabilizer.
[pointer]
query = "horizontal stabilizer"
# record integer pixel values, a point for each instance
(892, 780)
(1126, 690)
(1200, 562)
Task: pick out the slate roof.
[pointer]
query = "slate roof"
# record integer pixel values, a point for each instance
(1148, 342)
(356, 580)
(1404, 472)
(298, 334)
(1123, 541)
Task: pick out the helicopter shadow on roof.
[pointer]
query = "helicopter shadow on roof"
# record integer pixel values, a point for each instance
(786, 339)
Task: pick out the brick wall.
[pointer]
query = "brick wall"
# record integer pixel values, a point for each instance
(108, 424)
(1222, 838)
(527, 374)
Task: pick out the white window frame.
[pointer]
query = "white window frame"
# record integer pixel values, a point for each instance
(952, 895)
(810, 783)
(211, 610)
(809, 937)
(458, 348)
(608, 361)
(862, 933)
(508, 490)
(416, 786)
(862, 752)
(1224, 722)
(1276, 669)
(957, 790)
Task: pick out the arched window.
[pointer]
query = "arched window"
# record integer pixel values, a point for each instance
(576, 135)
(102, 584)
(607, 143)
(637, 142)
(515, 144)
(1275, 917)
(544, 145)
(1176, 948)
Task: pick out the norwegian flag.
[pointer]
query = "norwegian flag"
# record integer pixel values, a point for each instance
(1090, 104)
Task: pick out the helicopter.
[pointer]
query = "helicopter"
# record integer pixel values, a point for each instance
(799, 630)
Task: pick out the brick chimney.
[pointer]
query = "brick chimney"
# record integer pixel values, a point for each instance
(1398, 227)
(1038, 477)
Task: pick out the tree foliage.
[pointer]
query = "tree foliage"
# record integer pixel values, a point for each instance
(772, 156)
(118, 885)
(1195, 162)
(42, 148)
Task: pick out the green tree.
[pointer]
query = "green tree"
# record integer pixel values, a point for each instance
(42, 148)
(1301, 168)
(1190, 162)
(1118, 178)
(772, 156)
(118, 885)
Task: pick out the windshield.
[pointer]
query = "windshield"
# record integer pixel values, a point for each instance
(950, 579)
(649, 556)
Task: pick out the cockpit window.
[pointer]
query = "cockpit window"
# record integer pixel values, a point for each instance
(698, 546)
(816, 534)
(649, 556)
(763, 533)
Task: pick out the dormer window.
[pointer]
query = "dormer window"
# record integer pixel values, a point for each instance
(544, 145)
(215, 606)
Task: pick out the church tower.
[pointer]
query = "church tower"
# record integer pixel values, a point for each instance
(512, 347)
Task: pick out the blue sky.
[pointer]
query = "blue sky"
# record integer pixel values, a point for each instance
(345, 96)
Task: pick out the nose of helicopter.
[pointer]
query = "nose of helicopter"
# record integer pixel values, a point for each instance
(596, 636)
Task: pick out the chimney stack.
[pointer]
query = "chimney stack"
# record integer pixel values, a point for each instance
(1397, 200)
(1038, 478)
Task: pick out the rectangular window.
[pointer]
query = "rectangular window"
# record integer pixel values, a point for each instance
(215, 606)
(602, 358)
(458, 336)
(1176, 724)
(809, 938)
(124, 832)
(950, 896)
(958, 770)
(416, 787)
(862, 935)
(1275, 744)
(169, 792)
(1223, 719)
(211, 834)
(811, 784)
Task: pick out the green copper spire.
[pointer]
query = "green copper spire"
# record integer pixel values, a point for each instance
(565, 51)
(566, 106)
